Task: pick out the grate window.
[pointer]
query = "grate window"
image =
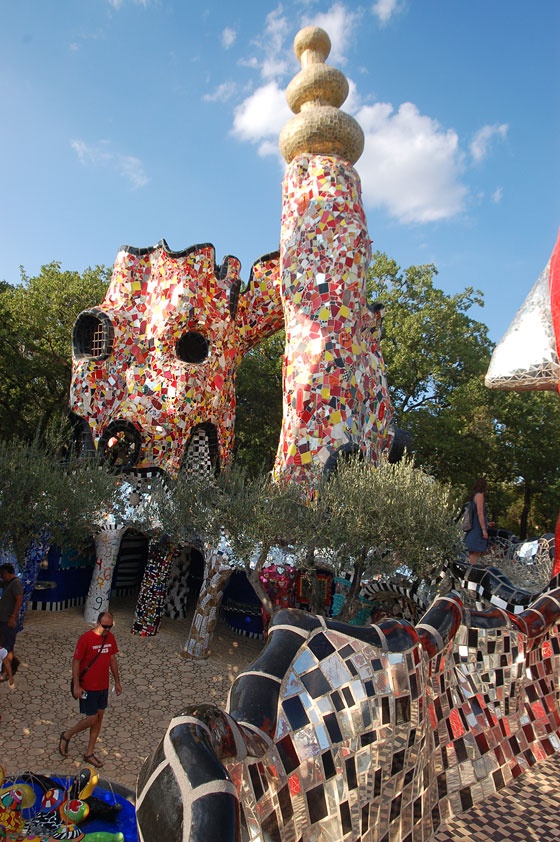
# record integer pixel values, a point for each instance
(98, 341)
(92, 336)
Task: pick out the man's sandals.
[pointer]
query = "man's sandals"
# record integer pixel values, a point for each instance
(93, 760)
(63, 744)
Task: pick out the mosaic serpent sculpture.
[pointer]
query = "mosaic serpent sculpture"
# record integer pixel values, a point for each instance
(381, 732)
(484, 583)
(57, 814)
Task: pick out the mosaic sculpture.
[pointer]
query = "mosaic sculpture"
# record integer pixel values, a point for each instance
(526, 358)
(379, 733)
(153, 386)
(335, 390)
(524, 571)
(57, 810)
(107, 543)
(158, 358)
(154, 366)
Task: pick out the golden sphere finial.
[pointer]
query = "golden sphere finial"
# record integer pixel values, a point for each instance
(315, 96)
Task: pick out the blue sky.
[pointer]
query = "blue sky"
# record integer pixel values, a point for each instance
(125, 121)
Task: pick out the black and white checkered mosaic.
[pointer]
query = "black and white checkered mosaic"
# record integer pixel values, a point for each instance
(376, 734)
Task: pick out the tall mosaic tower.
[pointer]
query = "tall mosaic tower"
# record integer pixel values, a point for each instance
(335, 390)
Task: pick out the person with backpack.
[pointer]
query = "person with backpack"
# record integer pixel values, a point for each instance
(475, 521)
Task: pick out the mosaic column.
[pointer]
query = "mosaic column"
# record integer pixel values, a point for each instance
(107, 545)
(335, 390)
(153, 590)
(217, 571)
(176, 600)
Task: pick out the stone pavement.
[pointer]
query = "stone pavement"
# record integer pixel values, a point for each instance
(158, 682)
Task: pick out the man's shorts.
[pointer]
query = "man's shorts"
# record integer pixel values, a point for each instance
(96, 700)
(8, 636)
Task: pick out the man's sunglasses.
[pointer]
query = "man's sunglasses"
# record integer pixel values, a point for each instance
(106, 627)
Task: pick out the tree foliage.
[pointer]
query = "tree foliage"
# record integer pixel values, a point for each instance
(396, 515)
(360, 519)
(36, 320)
(259, 405)
(436, 357)
(247, 514)
(37, 491)
(527, 461)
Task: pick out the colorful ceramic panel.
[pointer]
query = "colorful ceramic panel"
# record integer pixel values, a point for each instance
(153, 589)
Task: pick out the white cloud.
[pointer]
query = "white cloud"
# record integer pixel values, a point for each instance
(278, 58)
(276, 30)
(340, 24)
(261, 116)
(385, 9)
(88, 154)
(497, 195)
(228, 37)
(353, 101)
(411, 166)
(132, 168)
(116, 4)
(223, 92)
(274, 67)
(270, 147)
(249, 62)
(481, 141)
(100, 155)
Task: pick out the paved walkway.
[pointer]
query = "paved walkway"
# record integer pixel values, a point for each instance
(158, 682)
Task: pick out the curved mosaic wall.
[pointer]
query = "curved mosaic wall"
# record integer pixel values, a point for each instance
(379, 733)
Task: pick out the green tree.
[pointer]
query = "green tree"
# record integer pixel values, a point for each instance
(374, 522)
(259, 405)
(238, 518)
(436, 357)
(37, 317)
(527, 436)
(38, 492)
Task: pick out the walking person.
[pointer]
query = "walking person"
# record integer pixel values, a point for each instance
(95, 654)
(476, 539)
(10, 604)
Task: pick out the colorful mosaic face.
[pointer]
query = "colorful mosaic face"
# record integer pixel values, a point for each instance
(335, 389)
(159, 357)
(378, 734)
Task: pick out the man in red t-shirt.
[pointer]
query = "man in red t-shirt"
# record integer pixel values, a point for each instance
(95, 654)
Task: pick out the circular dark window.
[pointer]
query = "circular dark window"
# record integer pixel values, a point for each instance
(120, 444)
(92, 336)
(192, 347)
